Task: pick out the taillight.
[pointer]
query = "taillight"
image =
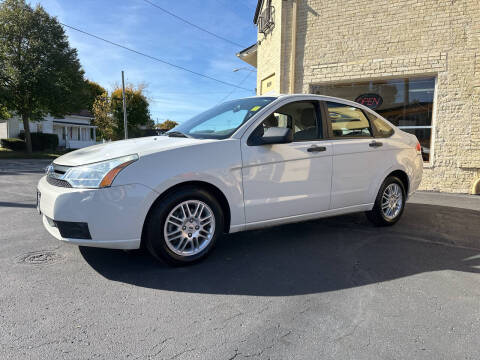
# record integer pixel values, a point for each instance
(419, 149)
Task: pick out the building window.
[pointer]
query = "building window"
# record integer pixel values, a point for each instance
(406, 103)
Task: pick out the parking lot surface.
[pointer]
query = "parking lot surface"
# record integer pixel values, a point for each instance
(334, 288)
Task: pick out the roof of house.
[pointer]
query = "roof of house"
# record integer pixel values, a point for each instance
(84, 113)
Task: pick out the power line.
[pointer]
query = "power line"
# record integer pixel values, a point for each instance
(192, 24)
(233, 90)
(156, 59)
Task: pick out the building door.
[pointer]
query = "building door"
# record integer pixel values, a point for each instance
(283, 180)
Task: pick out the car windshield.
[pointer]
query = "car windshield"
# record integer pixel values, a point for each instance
(221, 121)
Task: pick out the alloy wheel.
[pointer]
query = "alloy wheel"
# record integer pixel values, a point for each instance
(189, 227)
(392, 201)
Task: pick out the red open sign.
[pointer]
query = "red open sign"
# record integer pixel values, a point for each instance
(371, 101)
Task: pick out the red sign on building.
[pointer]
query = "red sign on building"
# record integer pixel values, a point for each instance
(371, 101)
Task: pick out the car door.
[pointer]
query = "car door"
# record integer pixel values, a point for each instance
(284, 180)
(359, 159)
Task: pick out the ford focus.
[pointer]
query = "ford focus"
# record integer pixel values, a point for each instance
(242, 165)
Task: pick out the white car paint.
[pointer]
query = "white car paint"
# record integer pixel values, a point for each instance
(285, 179)
(263, 185)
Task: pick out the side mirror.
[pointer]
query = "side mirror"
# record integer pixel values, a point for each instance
(273, 135)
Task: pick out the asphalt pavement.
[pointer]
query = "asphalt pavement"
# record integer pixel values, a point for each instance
(334, 288)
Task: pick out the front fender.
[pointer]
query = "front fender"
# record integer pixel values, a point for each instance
(217, 163)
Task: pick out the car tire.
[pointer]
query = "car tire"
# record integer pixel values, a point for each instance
(385, 211)
(192, 238)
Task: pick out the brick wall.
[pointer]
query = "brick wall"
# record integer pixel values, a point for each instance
(346, 40)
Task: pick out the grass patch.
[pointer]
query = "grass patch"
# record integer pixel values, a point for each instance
(10, 154)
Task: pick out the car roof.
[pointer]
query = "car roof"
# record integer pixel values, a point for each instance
(314, 96)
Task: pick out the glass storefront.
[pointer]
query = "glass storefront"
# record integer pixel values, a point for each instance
(406, 103)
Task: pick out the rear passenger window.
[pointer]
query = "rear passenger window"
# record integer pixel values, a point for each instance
(348, 121)
(383, 129)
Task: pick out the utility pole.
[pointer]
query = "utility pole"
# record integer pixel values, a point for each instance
(124, 107)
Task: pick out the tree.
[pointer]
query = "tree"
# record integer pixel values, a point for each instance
(102, 111)
(138, 113)
(108, 113)
(39, 72)
(90, 92)
(4, 113)
(166, 125)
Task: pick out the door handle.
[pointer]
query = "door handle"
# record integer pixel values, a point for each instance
(316, 148)
(375, 144)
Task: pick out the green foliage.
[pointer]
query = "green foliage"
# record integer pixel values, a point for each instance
(138, 113)
(42, 141)
(13, 144)
(108, 113)
(150, 124)
(103, 118)
(166, 125)
(4, 114)
(91, 90)
(39, 72)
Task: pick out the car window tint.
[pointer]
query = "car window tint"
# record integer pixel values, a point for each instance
(383, 129)
(298, 116)
(348, 121)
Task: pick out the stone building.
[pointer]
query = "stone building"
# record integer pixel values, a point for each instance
(416, 62)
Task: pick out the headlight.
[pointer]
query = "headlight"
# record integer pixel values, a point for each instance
(97, 175)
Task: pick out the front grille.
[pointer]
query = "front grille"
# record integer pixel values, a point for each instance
(58, 182)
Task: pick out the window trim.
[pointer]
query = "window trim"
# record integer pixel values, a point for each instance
(319, 119)
(330, 128)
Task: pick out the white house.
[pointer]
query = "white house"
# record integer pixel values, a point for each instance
(74, 131)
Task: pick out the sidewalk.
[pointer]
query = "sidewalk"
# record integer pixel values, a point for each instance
(462, 201)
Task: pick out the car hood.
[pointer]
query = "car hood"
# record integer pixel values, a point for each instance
(115, 149)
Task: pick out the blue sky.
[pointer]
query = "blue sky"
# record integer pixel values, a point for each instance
(173, 94)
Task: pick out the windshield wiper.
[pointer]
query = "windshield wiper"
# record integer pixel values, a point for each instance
(177, 134)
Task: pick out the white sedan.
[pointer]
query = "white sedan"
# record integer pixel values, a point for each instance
(244, 164)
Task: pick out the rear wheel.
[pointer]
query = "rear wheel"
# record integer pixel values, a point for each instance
(183, 227)
(389, 203)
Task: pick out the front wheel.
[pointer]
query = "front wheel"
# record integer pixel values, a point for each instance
(183, 227)
(389, 204)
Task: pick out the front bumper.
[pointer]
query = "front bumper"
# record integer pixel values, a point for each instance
(115, 215)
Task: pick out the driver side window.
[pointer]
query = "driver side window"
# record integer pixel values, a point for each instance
(299, 116)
